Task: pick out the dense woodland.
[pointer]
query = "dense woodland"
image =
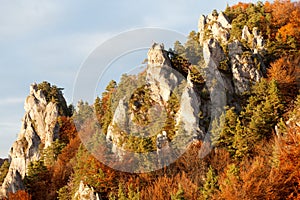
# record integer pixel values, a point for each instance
(250, 160)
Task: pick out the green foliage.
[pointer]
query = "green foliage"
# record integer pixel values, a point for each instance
(34, 169)
(240, 133)
(139, 145)
(121, 192)
(64, 193)
(37, 176)
(54, 94)
(251, 15)
(225, 65)
(224, 130)
(172, 108)
(189, 57)
(51, 152)
(140, 103)
(193, 50)
(179, 194)
(131, 194)
(179, 48)
(104, 107)
(264, 109)
(127, 85)
(83, 113)
(211, 184)
(3, 171)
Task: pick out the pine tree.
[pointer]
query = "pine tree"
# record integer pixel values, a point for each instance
(121, 192)
(211, 184)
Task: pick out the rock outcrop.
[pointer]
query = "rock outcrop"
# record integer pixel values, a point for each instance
(85, 192)
(255, 39)
(230, 68)
(39, 129)
(244, 68)
(189, 110)
(215, 25)
(219, 85)
(161, 80)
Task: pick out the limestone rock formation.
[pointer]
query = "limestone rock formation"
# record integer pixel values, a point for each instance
(161, 77)
(219, 84)
(244, 68)
(215, 25)
(84, 192)
(39, 129)
(255, 39)
(161, 80)
(189, 110)
(118, 126)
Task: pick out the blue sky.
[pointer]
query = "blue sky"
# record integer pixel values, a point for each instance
(50, 39)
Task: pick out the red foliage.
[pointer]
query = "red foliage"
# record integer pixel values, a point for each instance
(19, 195)
(67, 129)
(164, 186)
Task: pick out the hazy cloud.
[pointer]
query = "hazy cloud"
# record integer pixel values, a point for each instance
(11, 100)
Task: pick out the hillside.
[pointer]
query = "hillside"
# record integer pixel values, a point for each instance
(215, 118)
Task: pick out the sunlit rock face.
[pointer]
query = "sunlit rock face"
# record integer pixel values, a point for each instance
(39, 129)
(245, 65)
(85, 192)
(215, 25)
(244, 69)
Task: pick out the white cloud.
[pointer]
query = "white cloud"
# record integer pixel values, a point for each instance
(11, 100)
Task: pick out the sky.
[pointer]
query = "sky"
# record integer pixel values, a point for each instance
(51, 39)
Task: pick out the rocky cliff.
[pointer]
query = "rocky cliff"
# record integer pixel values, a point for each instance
(39, 129)
(242, 61)
(161, 82)
(230, 68)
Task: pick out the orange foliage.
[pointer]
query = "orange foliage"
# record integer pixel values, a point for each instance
(241, 5)
(283, 71)
(285, 180)
(285, 18)
(67, 130)
(268, 7)
(62, 169)
(288, 30)
(251, 179)
(19, 195)
(163, 187)
(280, 12)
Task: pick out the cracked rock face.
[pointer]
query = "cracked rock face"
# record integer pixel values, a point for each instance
(39, 129)
(163, 79)
(217, 24)
(189, 110)
(218, 84)
(244, 70)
